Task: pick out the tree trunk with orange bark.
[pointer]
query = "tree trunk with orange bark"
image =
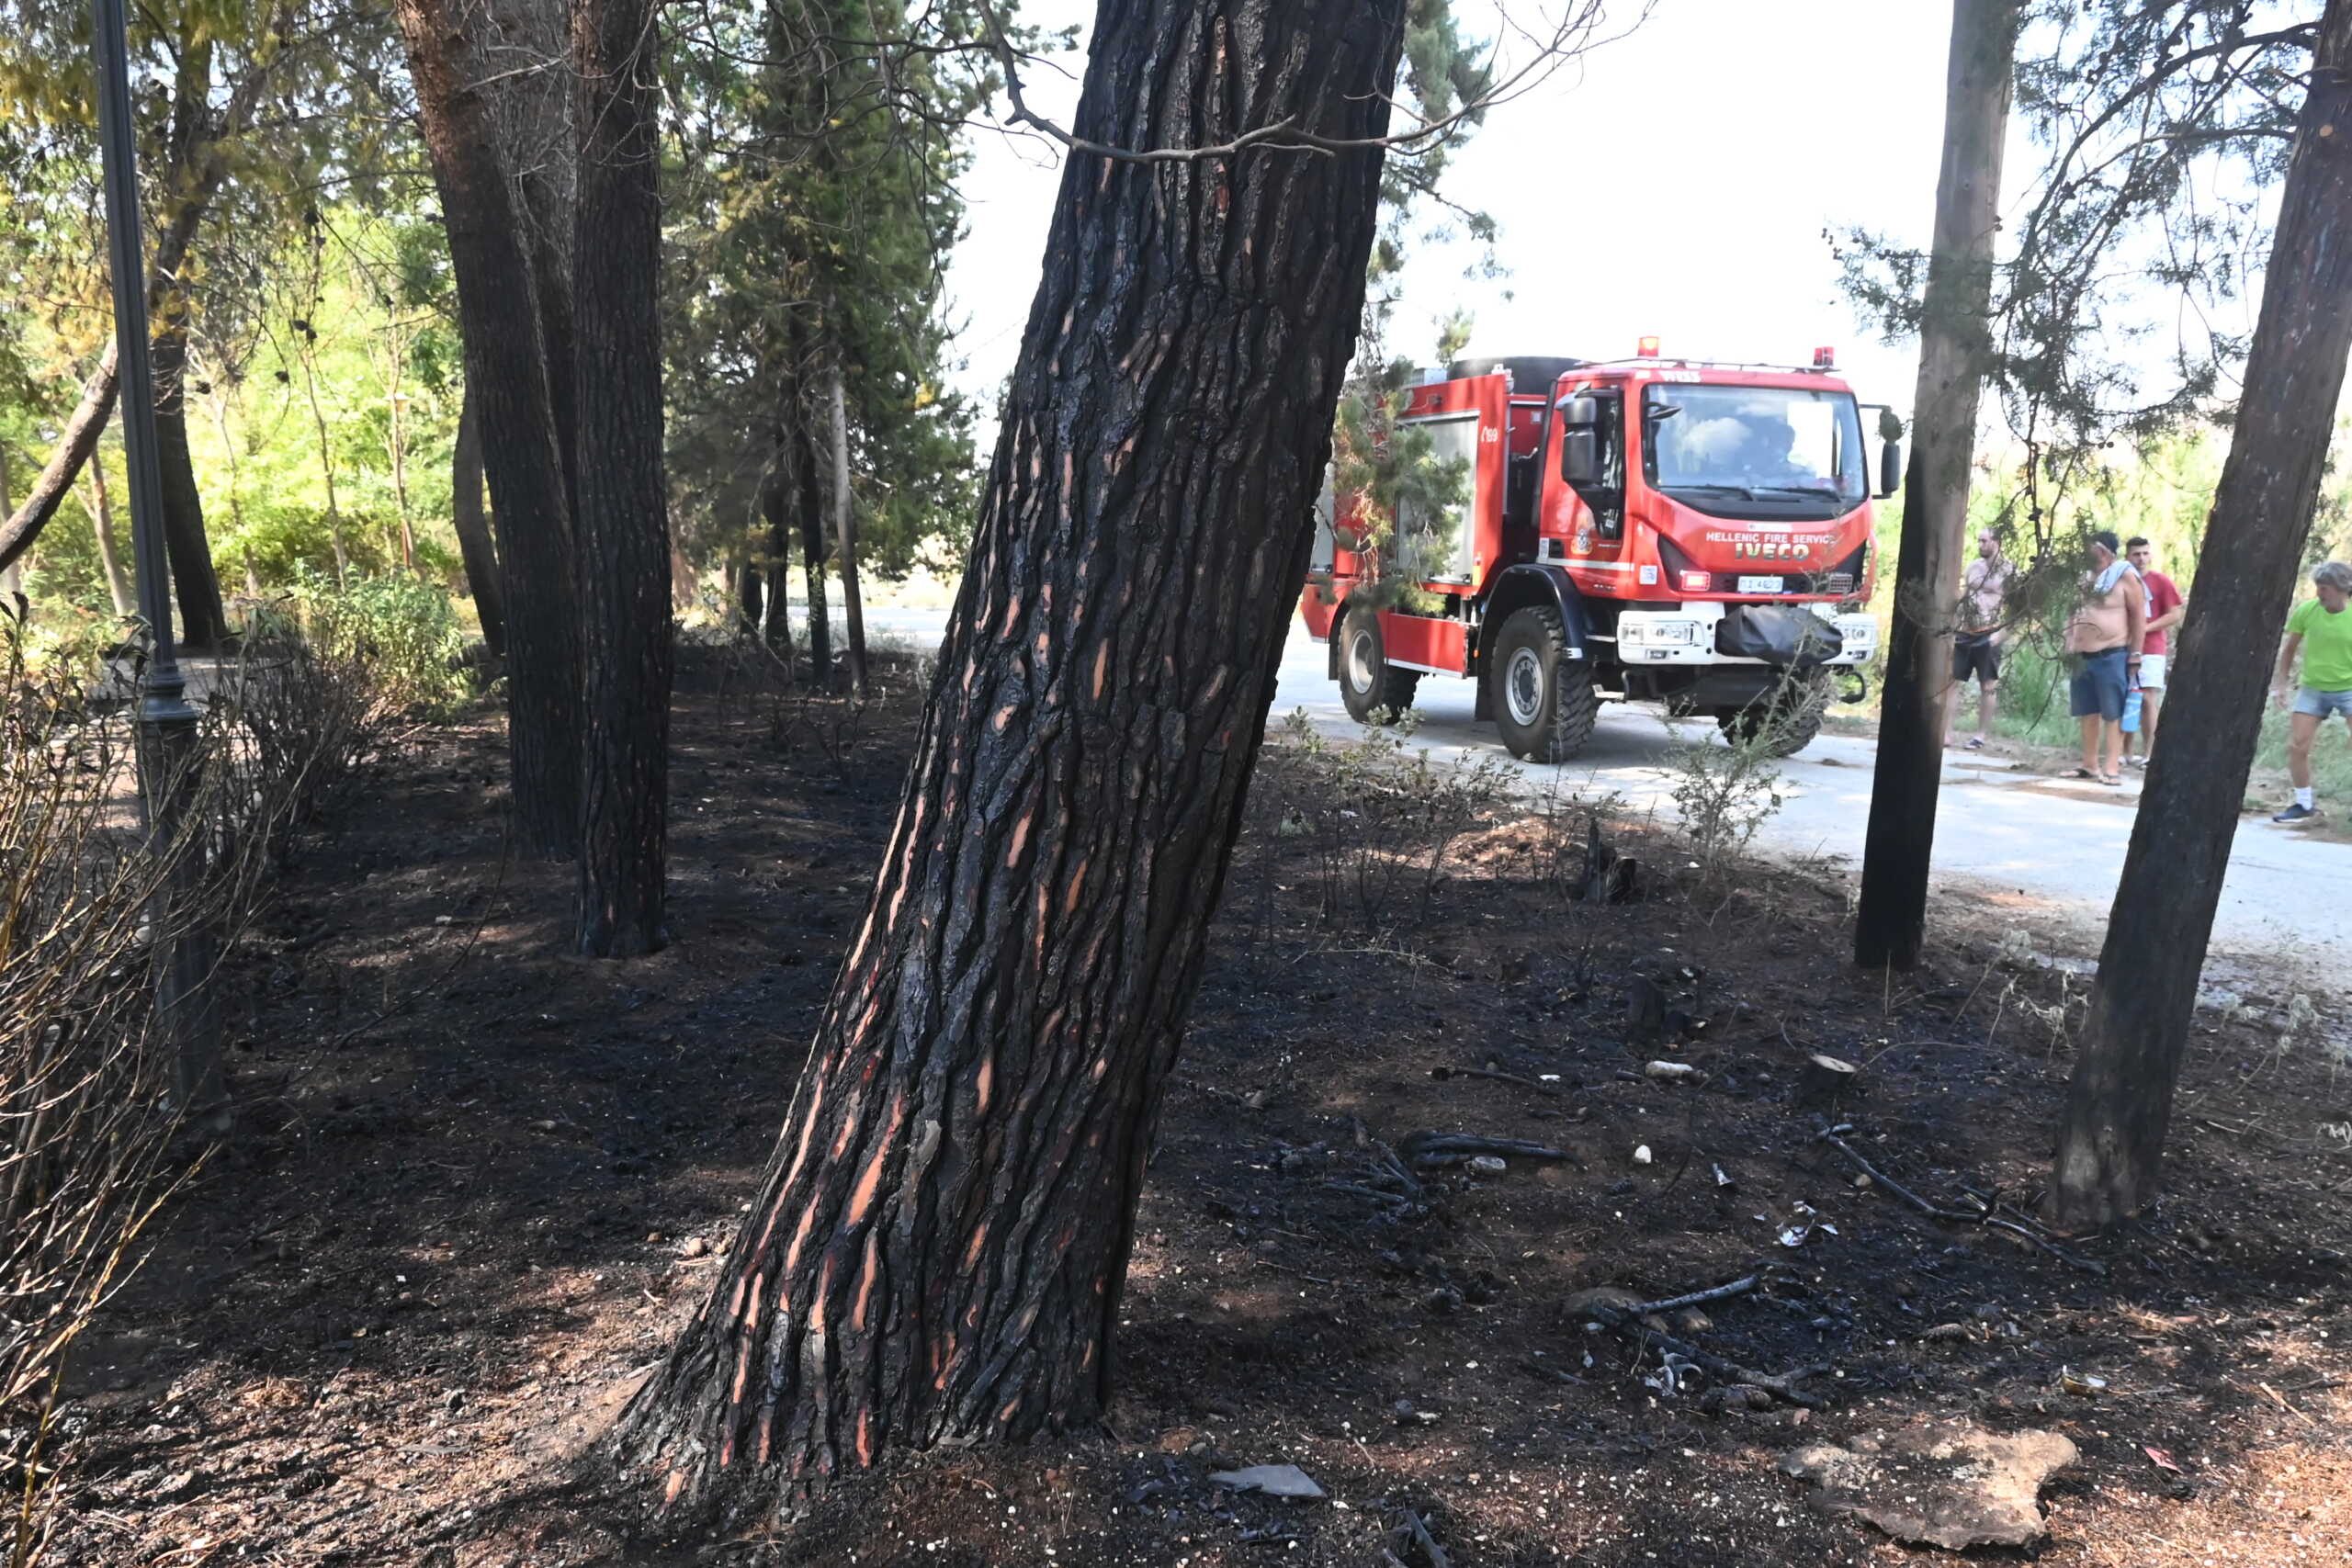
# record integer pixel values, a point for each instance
(938, 1253)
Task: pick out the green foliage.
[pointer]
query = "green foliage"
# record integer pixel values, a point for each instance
(2164, 126)
(811, 202)
(402, 633)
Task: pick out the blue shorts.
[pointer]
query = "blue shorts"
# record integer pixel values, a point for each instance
(2097, 687)
(2321, 704)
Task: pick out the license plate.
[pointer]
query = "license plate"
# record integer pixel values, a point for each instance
(1761, 584)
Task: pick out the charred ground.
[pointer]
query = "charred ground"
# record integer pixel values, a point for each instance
(478, 1185)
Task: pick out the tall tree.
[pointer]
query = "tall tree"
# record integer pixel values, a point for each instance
(623, 550)
(508, 371)
(204, 622)
(1954, 355)
(941, 1245)
(2119, 1102)
(471, 525)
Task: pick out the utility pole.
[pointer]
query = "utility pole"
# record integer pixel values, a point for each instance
(167, 723)
(1892, 918)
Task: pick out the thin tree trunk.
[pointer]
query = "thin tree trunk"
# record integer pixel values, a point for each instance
(326, 453)
(809, 506)
(466, 515)
(12, 576)
(506, 368)
(845, 530)
(777, 510)
(938, 1253)
(2111, 1144)
(194, 179)
(1954, 350)
(750, 603)
(109, 557)
(623, 557)
(204, 620)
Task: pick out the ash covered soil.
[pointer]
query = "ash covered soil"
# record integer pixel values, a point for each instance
(477, 1186)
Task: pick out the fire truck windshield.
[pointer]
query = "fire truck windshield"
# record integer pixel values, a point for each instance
(1762, 452)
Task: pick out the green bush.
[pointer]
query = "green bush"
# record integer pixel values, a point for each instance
(403, 631)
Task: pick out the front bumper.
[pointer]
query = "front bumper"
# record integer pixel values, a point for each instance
(1647, 639)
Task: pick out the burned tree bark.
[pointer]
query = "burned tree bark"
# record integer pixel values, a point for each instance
(942, 1241)
(2119, 1104)
(506, 371)
(623, 555)
(204, 620)
(1892, 918)
(472, 525)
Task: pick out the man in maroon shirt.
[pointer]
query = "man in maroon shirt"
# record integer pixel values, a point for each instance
(2165, 609)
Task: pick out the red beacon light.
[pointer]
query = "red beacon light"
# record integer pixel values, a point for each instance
(1825, 360)
(1647, 348)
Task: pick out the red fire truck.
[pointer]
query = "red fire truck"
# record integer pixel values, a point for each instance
(1664, 530)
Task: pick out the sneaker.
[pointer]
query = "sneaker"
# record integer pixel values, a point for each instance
(2295, 814)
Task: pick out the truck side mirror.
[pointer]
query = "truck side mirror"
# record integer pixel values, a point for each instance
(1581, 456)
(1890, 469)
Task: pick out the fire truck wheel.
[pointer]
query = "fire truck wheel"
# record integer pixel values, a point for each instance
(1369, 684)
(1789, 719)
(1543, 701)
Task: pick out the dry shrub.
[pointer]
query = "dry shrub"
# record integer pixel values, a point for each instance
(93, 902)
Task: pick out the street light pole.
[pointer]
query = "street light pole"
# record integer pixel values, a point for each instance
(166, 723)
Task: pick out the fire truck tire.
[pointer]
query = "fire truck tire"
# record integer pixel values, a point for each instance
(1543, 701)
(1369, 684)
(1793, 718)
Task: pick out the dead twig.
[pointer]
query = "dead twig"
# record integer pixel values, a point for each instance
(1956, 1216)
(1442, 1074)
(1738, 1287)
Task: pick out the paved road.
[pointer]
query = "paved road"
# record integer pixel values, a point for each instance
(1998, 831)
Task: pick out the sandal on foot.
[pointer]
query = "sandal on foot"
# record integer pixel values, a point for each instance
(2112, 781)
(2083, 773)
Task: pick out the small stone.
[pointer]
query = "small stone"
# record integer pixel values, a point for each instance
(1691, 1320)
(1273, 1480)
(1642, 1155)
(1488, 1165)
(694, 1246)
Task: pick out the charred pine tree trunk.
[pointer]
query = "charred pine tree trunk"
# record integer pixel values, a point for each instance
(472, 525)
(1892, 918)
(506, 371)
(623, 556)
(845, 531)
(750, 600)
(940, 1248)
(809, 507)
(776, 512)
(204, 620)
(2111, 1144)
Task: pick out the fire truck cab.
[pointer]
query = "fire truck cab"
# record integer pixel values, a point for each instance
(1673, 530)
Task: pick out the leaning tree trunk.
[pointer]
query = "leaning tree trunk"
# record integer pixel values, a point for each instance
(938, 1253)
(125, 605)
(473, 524)
(623, 553)
(2111, 1144)
(506, 369)
(204, 620)
(1892, 918)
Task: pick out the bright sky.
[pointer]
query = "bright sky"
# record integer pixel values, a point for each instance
(1677, 181)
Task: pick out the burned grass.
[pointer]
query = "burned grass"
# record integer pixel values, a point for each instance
(478, 1184)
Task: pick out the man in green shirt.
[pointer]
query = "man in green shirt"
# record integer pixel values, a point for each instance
(2321, 630)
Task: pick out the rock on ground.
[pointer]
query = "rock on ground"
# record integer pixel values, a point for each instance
(1946, 1483)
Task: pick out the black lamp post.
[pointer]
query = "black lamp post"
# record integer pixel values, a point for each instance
(167, 723)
